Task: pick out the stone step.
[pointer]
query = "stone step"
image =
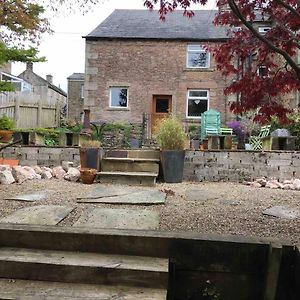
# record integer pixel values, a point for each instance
(142, 153)
(131, 178)
(42, 290)
(83, 267)
(112, 164)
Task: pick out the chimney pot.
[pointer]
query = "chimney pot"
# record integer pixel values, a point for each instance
(49, 78)
(29, 66)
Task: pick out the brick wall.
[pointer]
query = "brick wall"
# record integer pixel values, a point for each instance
(147, 68)
(42, 156)
(240, 165)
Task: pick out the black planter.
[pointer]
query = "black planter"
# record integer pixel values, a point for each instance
(172, 162)
(90, 158)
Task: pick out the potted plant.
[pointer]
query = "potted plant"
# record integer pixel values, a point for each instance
(171, 139)
(6, 126)
(90, 154)
(88, 175)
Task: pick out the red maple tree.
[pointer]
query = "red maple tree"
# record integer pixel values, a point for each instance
(263, 65)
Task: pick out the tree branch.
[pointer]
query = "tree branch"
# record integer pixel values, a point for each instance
(288, 7)
(235, 9)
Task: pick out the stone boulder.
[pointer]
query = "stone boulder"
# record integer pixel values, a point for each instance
(31, 173)
(73, 174)
(296, 184)
(262, 181)
(37, 170)
(66, 165)
(58, 172)
(46, 173)
(6, 176)
(20, 174)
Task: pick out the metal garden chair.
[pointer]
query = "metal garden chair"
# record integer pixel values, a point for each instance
(256, 141)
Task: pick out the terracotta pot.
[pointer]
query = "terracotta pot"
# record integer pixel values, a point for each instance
(5, 136)
(88, 175)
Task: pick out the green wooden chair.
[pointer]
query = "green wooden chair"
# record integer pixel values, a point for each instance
(256, 140)
(210, 123)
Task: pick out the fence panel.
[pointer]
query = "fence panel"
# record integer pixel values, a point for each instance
(29, 109)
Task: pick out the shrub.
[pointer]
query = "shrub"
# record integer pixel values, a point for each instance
(90, 144)
(6, 123)
(170, 134)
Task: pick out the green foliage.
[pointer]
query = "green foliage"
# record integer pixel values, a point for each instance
(170, 134)
(70, 126)
(6, 123)
(6, 86)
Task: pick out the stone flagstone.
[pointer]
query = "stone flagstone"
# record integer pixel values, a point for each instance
(38, 215)
(141, 197)
(200, 195)
(31, 197)
(282, 212)
(119, 219)
(108, 191)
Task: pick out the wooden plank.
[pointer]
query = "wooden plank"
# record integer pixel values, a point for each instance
(272, 272)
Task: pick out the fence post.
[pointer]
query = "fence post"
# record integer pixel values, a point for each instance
(39, 113)
(17, 110)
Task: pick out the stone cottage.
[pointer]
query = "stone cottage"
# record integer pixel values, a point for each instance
(137, 64)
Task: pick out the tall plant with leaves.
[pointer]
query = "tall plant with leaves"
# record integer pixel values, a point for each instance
(247, 49)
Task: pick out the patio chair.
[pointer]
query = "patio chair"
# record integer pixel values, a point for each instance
(226, 130)
(210, 123)
(256, 141)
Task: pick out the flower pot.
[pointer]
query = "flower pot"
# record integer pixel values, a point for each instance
(172, 163)
(88, 175)
(5, 136)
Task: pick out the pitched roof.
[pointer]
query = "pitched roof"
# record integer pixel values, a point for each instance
(44, 81)
(145, 24)
(76, 76)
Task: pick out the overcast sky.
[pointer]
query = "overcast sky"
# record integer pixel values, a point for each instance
(65, 48)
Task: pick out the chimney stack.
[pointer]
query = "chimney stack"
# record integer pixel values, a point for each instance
(49, 78)
(29, 66)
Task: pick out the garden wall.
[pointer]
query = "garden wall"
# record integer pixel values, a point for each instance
(241, 165)
(199, 165)
(41, 155)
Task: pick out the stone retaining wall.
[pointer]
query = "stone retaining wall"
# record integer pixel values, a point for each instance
(240, 165)
(42, 156)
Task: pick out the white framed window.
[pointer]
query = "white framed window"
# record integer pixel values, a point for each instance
(82, 91)
(118, 97)
(197, 103)
(197, 57)
(262, 71)
(263, 30)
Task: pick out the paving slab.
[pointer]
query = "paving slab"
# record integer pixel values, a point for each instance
(119, 219)
(201, 195)
(142, 197)
(108, 191)
(38, 215)
(282, 212)
(31, 197)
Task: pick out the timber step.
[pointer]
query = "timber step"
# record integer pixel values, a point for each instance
(41, 290)
(121, 164)
(83, 267)
(131, 178)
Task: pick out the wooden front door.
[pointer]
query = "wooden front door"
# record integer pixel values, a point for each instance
(161, 107)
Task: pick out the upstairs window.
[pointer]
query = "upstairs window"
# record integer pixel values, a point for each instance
(118, 97)
(263, 30)
(262, 71)
(197, 103)
(197, 57)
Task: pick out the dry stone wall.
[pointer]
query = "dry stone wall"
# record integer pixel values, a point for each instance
(240, 165)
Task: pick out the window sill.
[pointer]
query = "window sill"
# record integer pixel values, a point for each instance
(118, 109)
(199, 70)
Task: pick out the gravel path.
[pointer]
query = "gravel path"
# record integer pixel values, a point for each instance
(236, 209)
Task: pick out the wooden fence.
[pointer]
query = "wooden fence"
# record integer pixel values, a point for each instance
(30, 110)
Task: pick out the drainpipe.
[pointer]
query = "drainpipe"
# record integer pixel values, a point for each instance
(86, 123)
